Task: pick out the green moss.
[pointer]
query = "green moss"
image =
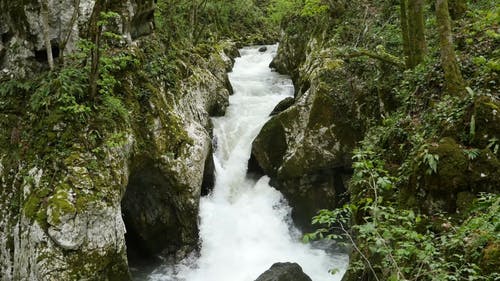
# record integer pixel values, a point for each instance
(451, 168)
(464, 201)
(490, 262)
(487, 121)
(35, 207)
(32, 205)
(111, 266)
(60, 204)
(321, 114)
(270, 146)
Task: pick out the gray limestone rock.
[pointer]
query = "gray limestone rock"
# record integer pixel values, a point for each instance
(22, 30)
(62, 219)
(306, 149)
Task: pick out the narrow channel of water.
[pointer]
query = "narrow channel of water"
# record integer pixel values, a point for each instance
(245, 223)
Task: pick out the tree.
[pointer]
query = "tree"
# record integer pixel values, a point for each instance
(454, 82)
(46, 33)
(64, 39)
(413, 31)
(95, 31)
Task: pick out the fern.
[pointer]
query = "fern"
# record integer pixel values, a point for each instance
(472, 153)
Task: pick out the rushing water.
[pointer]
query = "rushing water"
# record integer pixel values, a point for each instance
(245, 223)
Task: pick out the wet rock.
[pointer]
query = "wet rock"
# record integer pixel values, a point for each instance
(291, 52)
(262, 49)
(284, 272)
(304, 150)
(282, 105)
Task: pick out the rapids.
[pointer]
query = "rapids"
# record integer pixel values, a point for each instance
(245, 224)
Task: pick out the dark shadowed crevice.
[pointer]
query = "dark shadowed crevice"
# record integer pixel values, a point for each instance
(208, 175)
(149, 215)
(6, 37)
(143, 23)
(254, 169)
(41, 55)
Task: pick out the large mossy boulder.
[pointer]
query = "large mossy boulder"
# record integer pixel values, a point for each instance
(305, 150)
(486, 121)
(490, 260)
(451, 170)
(460, 175)
(292, 50)
(284, 272)
(306, 147)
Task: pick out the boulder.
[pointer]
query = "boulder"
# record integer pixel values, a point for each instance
(457, 178)
(262, 49)
(306, 147)
(487, 121)
(282, 105)
(306, 151)
(284, 272)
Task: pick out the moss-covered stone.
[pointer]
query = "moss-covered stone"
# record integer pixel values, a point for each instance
(486, 121)
(451, 168)
(490, 261)
(282, 105)
(71, 219)
(270, 146)
(464, 201)
(484, 173)
(101, 265)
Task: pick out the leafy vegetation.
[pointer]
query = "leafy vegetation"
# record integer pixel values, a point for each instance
(398, 244)
(424, 201)
(425, 173)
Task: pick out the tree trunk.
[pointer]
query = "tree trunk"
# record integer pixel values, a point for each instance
(403, 17)
(416, 32)
(46, 35)
(95, 35)
(454, 82)
(192, 19)
(64, 40)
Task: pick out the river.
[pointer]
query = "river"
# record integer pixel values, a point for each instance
(245, 224)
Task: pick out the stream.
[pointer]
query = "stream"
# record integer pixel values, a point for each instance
(245, 224)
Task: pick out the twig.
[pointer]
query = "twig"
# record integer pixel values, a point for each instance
(359, 251)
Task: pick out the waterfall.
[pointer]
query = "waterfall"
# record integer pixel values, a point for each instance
(245, 224)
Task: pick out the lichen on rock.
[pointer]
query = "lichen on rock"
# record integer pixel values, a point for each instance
(63, 192)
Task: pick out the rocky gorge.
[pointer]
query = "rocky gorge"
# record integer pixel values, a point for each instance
(64, 187)
(107, 136)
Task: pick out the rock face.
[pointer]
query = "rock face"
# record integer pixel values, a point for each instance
(282, 105)
(61, 205)
(306, 147)
(284, 272)
(66, 221)
(160, 205)
(456, 181)
(23, 29)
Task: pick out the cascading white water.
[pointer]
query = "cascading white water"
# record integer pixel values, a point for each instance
(245, 224)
